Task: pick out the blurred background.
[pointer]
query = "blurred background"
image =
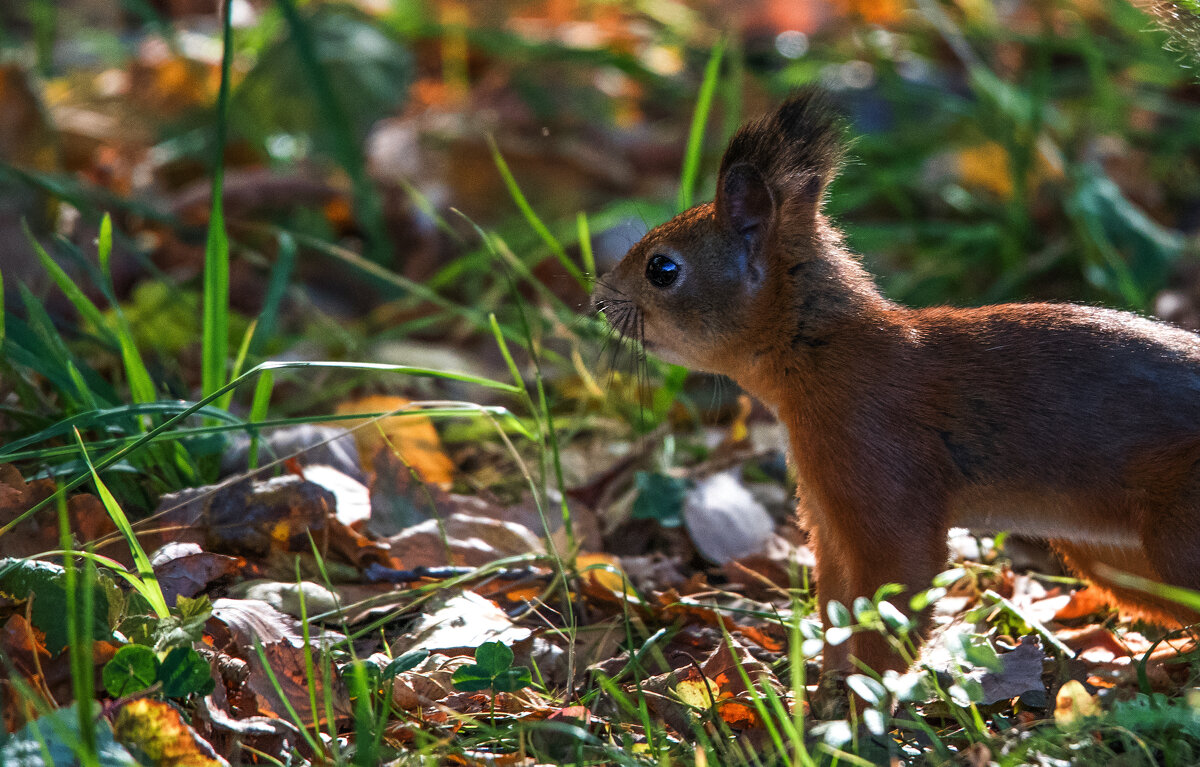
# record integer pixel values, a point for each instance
(382, 155)
(999, 150)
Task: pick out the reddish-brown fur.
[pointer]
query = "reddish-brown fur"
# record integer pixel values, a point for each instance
(1077, 424)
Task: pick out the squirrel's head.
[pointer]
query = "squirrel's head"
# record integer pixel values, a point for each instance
(692, 288)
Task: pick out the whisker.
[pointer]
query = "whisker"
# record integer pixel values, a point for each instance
(609, 286)
(643, 373)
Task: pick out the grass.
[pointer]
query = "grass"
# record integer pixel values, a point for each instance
(87, 404)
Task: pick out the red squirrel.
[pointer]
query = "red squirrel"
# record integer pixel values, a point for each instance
(1077, 424)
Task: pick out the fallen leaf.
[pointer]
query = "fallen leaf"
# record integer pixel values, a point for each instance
(310, 444)
(253, 519)
(22, 580)
(605, 571)
(412, 436)
(1083, 603)
(701, 692)
(352, 500)
(158, 731)
(724, 520)
(184, 569)
(86, 515)
(1074, 703)
(286, 596)
(237, 624)
(456, 624)
(462, 540)
(1020, 672)
(51, 740)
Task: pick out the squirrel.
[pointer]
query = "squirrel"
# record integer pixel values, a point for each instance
(1076, 424)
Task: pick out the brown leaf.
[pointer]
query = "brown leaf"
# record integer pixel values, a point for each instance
(462, 540)
(428, 683)
(237, 624)
(252, 519)
(87, 517)
(1083, 603)
(675, 607)
(184, 569)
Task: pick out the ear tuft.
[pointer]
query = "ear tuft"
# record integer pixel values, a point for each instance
(795, 151)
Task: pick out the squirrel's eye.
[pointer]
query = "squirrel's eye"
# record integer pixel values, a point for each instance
(661, 271)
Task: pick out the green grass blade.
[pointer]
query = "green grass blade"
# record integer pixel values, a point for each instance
(142, 562)
(444, 410)
(44, 18)
(79, 630)
(695, 143)
(534, 221)
(85, 394)
(117, 455)
(585, 245)
(2, 314)
(45, 351)
(281, 274)
(238, 362)
(104, 243)
(119, 569)
(215, 334)
(258, 413)
(141, 386)
(108, 415)
(82, 303)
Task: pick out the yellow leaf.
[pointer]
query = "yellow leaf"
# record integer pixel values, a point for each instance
(986, 166)
(609, 574)
(698, 693)
(156, 729)
(1074, 703)
(413, 436)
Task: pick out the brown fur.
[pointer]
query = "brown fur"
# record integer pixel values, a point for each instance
(1074, 423)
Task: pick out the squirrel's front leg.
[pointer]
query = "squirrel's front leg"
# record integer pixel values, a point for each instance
(858, 553)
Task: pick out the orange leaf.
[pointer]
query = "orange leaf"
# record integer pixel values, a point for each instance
(739, 715)
(604, 575)
(1083, 603)
(412, 436)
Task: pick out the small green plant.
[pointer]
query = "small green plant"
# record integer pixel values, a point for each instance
(492, 670)
(181, 672)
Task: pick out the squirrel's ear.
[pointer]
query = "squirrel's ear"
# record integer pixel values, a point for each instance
(745, 204)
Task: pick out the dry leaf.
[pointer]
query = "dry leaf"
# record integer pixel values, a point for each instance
(605, 571)
(235, 627)
(463, 540)
(1020, 672)
(1074, 703)
(412, 436)
(1082, 604)
(158, 731)
(458, 624)
(184, 569)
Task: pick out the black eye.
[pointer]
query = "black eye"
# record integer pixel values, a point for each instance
(661, 271)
